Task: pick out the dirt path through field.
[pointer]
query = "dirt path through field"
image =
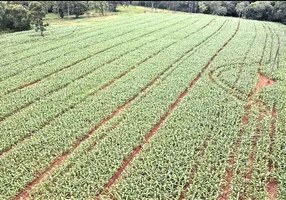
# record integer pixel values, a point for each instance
(263, 81)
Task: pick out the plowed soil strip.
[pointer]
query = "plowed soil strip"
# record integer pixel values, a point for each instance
(89, 72)
(255, 138)
(87, 57)
(262, 82)
(272, 184)
(154, 130)
(60, 160)
(264, 47)
(245, 56)
(194, 169)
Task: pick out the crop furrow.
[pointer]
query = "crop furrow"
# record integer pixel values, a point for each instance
(110, 83)
(245, 120)
(252, 155)
(271, 47)
(127, 162)
(86, 46)
(69, 66)
(244, 58)
(77, 40)
(60, 160)
(92, 131)
(82, 76)
(264, 47)
(90, 94)
(195, 168)
(272, 184)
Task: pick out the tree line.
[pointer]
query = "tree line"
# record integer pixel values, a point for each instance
(20, 15)
(258, 10)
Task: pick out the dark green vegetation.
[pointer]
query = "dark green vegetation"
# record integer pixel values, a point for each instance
(144, 106)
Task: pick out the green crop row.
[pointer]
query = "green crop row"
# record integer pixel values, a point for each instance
(57, 40)
(75, 124)
(142, 115)
(73, 88)
(89, 46)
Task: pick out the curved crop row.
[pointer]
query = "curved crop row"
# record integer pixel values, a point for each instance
(85, 85)
(158, 100)
(86, 115)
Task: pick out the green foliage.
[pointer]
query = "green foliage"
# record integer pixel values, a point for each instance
(2, 14)
(260, 10)
(36, 15)
(202, 7)
(280, 11)
(16, 17)
(78, 8)
(241, 8)
(58, 88)
(100, 6)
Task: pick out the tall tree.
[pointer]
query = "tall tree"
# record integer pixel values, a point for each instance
(260, 10)
(16, 17)
(280, 11)
(79, 7)
(241, 8)
(101, 6)
(2, 14)
(36, 14)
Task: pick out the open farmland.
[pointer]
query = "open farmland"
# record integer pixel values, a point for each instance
(152, 106)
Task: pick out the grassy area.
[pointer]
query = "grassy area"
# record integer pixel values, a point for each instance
(93, 17)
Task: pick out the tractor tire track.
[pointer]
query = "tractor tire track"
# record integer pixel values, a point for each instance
(194, 169)
(57, 47)
(137, 150)
(60, 70)
(105, 87)
(87, 57)
(95, 92)
(272, 183)
(60, 160)
(64, 85)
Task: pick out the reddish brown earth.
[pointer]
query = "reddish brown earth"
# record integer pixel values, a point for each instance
(71, 107)
(272, 185)
(29, 84)
(60, 160)
(154, 130)
(263, 81)
(254, 144)
(272, 189)
(194, 170)
(25, 193)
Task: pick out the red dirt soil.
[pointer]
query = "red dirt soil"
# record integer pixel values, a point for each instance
(255, 138)
(193, 171)
(105, 86)
(153, 131)
(263, 81)
(60, 160)
(272, 185)
(272, 188)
